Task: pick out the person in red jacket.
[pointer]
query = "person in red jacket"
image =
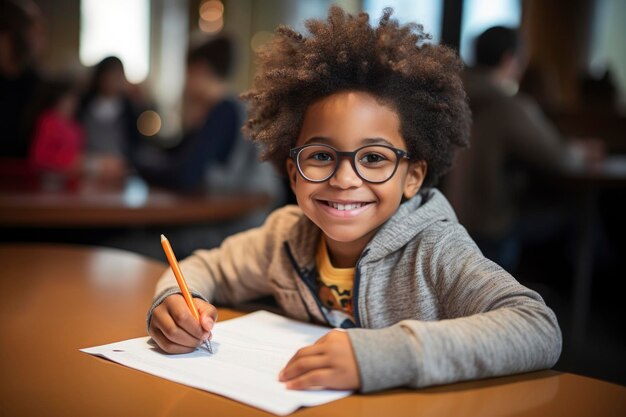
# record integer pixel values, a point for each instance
(58, 140)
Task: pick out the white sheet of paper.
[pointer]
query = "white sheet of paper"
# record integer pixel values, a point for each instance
(248, 353)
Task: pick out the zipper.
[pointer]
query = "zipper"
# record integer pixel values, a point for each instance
(355, 289)
(306, 279)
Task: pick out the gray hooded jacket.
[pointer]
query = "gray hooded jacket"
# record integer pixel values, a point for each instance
(429, 308)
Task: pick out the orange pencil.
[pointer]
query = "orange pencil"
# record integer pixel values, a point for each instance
(182, 284)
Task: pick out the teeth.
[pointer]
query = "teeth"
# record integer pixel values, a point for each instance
(343, 207)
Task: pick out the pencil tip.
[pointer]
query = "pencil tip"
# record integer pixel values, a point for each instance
(163, 238)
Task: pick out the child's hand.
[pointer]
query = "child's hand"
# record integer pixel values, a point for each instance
(329, 363)
(174, 327)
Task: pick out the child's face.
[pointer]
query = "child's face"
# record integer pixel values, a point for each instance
(347, 121)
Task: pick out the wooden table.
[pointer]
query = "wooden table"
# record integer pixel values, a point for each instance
(129, 202)
(57, 299)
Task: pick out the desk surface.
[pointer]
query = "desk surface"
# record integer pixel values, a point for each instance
(57, 299)
(128, 202)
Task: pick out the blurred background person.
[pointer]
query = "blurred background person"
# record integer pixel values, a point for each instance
(212, 152)
(511, 138)
(109, 117)
(22, 40)
(212, 155)
(211, 119)
(58, 141)
(541, 86)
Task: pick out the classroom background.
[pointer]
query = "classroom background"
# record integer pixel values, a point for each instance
(106, 108)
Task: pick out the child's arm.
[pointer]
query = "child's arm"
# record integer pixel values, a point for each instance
(233, 273)
(493, 326)
(489, 325)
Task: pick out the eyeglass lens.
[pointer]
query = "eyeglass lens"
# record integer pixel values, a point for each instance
(373, 163)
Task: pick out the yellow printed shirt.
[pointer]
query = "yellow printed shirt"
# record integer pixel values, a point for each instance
(334, 289)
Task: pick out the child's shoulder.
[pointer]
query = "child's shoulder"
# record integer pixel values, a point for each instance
(289, 211)
(435, 221)
(285, 218)
(289, 224)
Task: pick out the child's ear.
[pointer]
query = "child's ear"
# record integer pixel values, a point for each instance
(415, 178)
(292, 171)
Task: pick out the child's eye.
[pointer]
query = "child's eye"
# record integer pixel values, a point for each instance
(321, 156)
(372, 158)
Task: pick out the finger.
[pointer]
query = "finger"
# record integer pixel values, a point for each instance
(179, 312)
(317, 379)
(167, 345)
(175, 333)
(306, 351)
(303, 365)
(158, 315)
(208, 314)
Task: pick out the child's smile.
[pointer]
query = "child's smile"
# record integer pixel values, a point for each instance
(345, 208)
(348, 209)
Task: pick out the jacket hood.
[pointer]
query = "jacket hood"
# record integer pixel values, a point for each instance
(412, 217)
(429, 206)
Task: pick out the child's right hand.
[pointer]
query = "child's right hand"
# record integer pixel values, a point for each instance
(174, 328)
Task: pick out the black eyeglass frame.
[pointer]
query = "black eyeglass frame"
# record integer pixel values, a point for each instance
(294, 153)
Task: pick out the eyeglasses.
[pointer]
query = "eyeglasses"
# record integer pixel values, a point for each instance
(372, 163)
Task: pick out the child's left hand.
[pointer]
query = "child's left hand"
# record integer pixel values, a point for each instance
(329, 363)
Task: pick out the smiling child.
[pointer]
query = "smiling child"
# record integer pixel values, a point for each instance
(364, 121)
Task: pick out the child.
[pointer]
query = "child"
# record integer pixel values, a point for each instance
(365, 119)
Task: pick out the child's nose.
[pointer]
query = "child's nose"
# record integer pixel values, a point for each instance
(345, 177)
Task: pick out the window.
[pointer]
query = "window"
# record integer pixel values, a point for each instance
(425, 12)
(116, 27)
(480, 15)
(607, 44)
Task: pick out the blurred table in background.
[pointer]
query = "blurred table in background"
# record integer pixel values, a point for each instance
(607, 126)
(608, 177)
(54, 202)
(63, 298)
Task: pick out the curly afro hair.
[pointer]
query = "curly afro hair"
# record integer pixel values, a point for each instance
(392, 62)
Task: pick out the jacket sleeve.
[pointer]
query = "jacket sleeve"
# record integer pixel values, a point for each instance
(185, 166)
(237, 270)
(55, 145)
(493, 325)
